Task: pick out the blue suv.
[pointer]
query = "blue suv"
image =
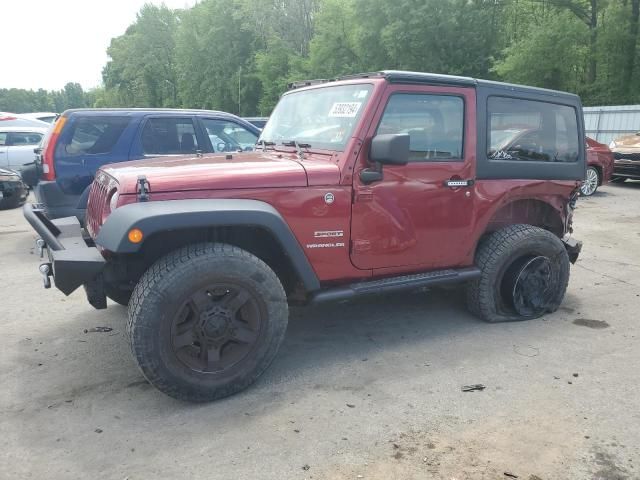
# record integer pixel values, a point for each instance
(83, 140)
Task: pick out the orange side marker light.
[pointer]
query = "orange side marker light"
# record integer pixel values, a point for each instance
(135, 235)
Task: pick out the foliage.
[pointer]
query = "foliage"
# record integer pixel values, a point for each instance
(18, 100)
(239, 55)
(142, 68)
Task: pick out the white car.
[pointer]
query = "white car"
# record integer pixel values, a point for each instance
(15, 120)
(17, 145)
(48, 117)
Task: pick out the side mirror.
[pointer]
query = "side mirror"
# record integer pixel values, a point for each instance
(390, 149)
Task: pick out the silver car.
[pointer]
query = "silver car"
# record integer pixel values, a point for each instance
(17, 145)
(48, 117)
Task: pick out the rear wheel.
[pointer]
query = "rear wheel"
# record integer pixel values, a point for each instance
(206, 321)
(525, 272)
(591, 182)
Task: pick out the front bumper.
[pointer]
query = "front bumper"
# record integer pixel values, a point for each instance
(73, 261)
(627, 166)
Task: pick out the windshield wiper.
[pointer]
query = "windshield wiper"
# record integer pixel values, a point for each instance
(265, 144)
(299, 147)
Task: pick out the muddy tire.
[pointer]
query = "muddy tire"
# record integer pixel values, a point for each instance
(525, 272)
(206, 321)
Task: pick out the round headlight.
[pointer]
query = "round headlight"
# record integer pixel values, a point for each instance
(113, 202)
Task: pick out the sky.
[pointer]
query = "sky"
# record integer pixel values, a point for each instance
(47, 43)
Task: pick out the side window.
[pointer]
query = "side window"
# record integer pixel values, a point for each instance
(23, 138)
(91, 136)
(435, 124)
(226, 136)
(3, 139)
(169, 136)
(527, 130)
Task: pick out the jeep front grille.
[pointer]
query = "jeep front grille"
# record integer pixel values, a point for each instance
(98, 203)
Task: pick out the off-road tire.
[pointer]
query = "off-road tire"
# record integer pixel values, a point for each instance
(499, 250)
(167, 284)
(118, 295)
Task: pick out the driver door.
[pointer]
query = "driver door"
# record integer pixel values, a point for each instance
(414, 217)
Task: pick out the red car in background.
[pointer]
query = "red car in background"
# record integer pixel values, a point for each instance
(599, 167)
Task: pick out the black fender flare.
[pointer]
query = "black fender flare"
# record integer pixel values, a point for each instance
(162, 216)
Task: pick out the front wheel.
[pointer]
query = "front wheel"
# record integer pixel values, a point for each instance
(591, 182)
(206, 321)
(525, 272)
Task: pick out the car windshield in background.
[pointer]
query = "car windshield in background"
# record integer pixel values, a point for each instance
(321, 117)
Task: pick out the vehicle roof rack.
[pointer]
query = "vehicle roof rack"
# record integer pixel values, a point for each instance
(307, 83)
(437, 79)
(395, 76)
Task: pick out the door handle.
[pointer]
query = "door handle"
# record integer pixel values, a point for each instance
(458, 183)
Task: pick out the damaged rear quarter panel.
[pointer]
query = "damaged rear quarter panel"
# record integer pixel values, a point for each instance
(506, 202)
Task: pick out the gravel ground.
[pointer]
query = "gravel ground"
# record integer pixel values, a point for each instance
(368, 389)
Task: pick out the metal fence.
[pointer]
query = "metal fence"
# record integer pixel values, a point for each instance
(603, 124)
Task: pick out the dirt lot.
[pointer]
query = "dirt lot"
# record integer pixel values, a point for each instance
(369, 389)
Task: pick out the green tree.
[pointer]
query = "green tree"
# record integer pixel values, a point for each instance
(142, 66)
(551, 56)
(215, 53)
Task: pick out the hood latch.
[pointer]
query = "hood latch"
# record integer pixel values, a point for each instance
(143, 189)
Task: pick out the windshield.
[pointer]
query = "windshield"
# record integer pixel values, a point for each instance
(321, 118)
(502, 138)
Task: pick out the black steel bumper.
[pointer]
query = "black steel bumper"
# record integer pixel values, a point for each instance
(573, 247)
(72, 261)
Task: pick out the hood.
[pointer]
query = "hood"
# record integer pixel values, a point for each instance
(210, 172)
(628, 142)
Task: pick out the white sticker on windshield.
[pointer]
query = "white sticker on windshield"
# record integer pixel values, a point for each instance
(345, 109)
(362, 93)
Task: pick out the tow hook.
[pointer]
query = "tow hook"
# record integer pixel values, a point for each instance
(40, 244)
(45, 271)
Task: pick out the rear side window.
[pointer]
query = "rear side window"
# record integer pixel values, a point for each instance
(528, 130)
(92, 135)
(434, 123)
(169, 136)
(228, 136)
(23, 138)
(3, 139)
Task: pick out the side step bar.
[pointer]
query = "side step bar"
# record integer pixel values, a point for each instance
(405, 282)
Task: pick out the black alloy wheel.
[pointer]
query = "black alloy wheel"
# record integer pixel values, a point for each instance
(216, 327)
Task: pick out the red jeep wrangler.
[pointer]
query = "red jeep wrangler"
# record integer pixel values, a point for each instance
(373, 183)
